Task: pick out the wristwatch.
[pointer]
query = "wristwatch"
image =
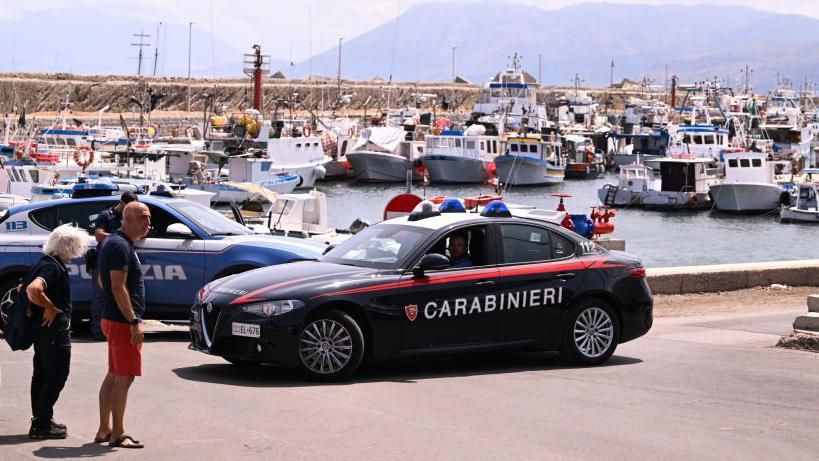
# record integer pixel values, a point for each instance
(135, 321)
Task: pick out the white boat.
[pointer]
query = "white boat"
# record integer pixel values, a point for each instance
(684, 184)
(698, 140)
(9, 200)
(805, 208)
(458, 157)
(381, 154)
(626, 149)
(530, 162)
(510, 99)
(634, 180)
(303, 216)
(750, 184)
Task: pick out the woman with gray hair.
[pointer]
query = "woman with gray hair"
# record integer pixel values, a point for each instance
(49, 298)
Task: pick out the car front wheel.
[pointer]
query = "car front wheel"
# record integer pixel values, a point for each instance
(331, 346)
(591, 333)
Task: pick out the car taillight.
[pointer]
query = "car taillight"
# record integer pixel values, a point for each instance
(638, 272)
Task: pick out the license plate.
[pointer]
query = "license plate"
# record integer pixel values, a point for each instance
(247, 330)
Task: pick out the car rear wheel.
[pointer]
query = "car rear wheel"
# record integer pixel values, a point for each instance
(331, 346)
(591, 333)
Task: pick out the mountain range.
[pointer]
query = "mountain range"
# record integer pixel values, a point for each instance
(692, 42)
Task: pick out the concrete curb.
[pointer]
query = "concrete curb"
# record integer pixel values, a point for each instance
(730, 277)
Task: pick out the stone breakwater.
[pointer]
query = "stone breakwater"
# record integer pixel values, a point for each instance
(44, 93)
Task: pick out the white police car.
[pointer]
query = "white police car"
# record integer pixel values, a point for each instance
(189, 246)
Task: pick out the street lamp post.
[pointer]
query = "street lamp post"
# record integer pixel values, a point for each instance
(190, 35)
(453, 63)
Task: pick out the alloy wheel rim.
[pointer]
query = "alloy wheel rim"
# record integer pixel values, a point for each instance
(325, 346)
(593, 332)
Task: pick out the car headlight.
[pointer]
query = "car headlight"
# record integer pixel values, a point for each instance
(272, 308)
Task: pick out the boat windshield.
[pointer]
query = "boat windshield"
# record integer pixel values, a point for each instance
(210, 221)
(378, 247)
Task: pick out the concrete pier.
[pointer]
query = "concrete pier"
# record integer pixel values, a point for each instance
(730, 277)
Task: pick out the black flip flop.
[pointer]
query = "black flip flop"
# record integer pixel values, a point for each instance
(117, 443)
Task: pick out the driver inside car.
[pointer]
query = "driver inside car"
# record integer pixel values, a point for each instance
(457, 251)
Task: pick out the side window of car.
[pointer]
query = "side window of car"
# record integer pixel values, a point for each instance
(464, 247)
(562, 247)
(522, 244)
(81, 215)
(160, 220)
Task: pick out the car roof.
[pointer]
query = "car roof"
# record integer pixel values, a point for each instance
(149, 199)
(447, 219)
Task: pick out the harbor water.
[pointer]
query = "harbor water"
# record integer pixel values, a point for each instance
(660, 239)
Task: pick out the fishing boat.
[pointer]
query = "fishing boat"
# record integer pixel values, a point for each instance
(510, 99)
(684, 184)
(460, 157)
(750, 183)
(804, 208)
(582, 162)
(627, 148)
(529, 161)
(381, 154)
(698, 140)
(633, 181)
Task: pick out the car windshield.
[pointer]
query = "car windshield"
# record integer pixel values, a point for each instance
(379, 247)
(210, 221)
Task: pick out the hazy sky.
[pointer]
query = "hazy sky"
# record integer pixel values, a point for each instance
(298, 26)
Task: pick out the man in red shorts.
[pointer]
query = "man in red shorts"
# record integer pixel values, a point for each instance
(123, 289)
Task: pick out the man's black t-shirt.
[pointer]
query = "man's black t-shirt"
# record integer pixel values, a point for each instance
(109, 221)
(117, 253)
(54, 275)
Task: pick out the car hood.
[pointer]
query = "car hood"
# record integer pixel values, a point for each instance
(308, 248)
(298, 280)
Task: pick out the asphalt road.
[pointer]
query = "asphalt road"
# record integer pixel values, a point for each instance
(695, 388)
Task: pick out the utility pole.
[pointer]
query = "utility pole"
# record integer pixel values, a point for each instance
(156, 47)
(190, 35)
(140, 45)
(453, 63)
(540, 68)
(747, 72)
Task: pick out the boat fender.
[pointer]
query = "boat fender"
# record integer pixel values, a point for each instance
(692, 201)
(350, 132)
(305, 131)
(320, 171)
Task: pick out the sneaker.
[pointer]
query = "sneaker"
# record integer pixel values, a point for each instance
(53, 431)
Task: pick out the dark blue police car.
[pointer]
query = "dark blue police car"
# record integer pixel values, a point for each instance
(189, 246)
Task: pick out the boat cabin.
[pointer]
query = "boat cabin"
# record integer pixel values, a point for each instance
(687, 174)
(534, 149)
(456, 144)
(752, 167)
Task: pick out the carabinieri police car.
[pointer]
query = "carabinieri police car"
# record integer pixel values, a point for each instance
(391, 291)
(189, 246)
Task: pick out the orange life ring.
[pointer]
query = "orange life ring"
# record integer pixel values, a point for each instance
(305, 131)
(438, 199)
(19, 151)
(83, 156)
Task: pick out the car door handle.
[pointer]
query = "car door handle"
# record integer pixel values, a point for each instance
(485, 283)
(565, 276)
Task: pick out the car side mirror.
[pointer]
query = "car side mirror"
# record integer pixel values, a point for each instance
(178, 230)
(328, 249)
(431, 262)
